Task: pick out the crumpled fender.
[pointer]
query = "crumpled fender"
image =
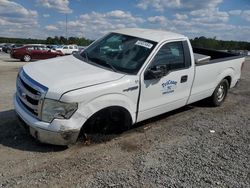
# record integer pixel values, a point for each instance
(107, 100)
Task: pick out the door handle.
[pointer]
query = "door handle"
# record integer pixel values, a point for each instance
(184, 78)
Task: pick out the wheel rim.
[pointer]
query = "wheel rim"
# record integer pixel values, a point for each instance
(26, 58)
(221, 93)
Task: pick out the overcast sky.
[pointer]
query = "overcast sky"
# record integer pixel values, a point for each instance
(225, 19)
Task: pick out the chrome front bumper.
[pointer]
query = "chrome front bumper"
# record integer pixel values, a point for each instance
(51, 133)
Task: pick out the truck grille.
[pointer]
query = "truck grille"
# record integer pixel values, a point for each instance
(30, 94)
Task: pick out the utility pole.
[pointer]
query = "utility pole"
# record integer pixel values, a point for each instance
(66, 27)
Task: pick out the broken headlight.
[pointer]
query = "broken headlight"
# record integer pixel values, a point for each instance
(53, 109)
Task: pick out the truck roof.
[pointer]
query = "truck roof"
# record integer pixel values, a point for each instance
(151, 34)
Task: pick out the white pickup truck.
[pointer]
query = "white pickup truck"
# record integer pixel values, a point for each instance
(123, 78)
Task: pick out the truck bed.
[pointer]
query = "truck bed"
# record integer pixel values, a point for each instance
(212, 68)
(204, 56)
(200, 58)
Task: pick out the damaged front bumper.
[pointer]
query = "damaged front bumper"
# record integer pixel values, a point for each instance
(50, 137)
(58, 132)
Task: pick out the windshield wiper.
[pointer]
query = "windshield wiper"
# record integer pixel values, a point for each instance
(100, 61)
(111, 66)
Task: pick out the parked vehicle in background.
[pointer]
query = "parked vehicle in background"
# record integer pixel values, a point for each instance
(1, 48)
(8, 48)
(67, 49)
(52, 47)
(30, 52)
(5, 47)
(55, 47)
(125, 77)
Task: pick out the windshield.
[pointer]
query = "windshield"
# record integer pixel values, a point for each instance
(119, 52)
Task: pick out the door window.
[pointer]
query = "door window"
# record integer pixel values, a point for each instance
(37, 48)
(30, 48)
(43, 48)
(170, 55)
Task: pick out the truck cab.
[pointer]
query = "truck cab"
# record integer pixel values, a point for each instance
(123, 78)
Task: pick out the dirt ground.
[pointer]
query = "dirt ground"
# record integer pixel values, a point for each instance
(195, 146)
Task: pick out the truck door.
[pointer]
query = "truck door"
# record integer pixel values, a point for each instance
(167, 80)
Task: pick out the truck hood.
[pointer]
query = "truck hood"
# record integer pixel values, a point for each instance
(67, 73)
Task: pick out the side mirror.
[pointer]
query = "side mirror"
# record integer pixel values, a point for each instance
(155, 72)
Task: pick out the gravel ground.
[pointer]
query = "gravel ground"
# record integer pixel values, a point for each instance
(195, 146)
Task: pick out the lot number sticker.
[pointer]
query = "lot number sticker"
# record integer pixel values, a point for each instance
(144, 44)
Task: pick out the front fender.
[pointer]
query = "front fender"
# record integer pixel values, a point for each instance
(107, 100)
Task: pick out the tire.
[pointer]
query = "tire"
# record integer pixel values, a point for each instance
(220, 93)
(26, 58)
(111, 120)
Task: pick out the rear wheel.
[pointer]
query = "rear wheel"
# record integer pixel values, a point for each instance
(26, 58)
(220, 93)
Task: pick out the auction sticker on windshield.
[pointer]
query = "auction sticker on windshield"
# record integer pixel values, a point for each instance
(144, 44)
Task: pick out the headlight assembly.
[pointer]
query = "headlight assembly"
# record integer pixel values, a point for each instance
(53, 109)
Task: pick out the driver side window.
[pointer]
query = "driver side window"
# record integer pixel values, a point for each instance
(170, 55)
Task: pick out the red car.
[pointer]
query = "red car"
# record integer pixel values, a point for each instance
(29, 52)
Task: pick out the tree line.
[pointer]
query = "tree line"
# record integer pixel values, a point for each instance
(50, 40)
(197, 41)
(213, 43)
(71, 40)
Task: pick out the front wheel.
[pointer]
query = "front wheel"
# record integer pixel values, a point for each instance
(112, 120)
(220, 93)
(26, 58)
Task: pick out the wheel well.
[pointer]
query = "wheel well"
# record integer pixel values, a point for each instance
(28, 55)
(88, 125)
(229, 79)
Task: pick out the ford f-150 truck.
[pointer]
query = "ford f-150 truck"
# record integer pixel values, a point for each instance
(123, 78)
